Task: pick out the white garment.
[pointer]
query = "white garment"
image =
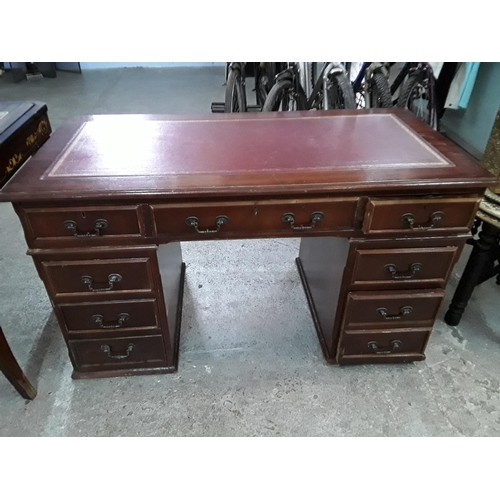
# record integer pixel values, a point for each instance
(436, 68)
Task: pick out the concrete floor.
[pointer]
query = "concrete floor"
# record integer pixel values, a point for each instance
(250, 362)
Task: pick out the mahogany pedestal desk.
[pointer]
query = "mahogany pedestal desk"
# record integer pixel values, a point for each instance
(383, 204)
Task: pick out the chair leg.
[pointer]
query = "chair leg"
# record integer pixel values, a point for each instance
(481, 259)
(11, 369)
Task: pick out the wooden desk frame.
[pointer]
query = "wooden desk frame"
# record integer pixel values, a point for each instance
(374, 264)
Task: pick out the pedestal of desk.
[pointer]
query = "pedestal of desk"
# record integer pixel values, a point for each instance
(119, 309)
(375, 301)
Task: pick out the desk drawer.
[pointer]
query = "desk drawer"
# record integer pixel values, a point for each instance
(367, 310)
(98, 277)
(420, 216)
(84, 224)
(110, 317)
(119, 353)
(422, 266)
(387, 345)
(291, 217)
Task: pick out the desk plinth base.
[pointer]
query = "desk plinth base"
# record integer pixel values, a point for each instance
(76, 375)
(376, 360)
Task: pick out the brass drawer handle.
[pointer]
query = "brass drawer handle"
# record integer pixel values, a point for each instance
(289, 218)
(107, 350)
(112, 279)
(99, 319)
(409, 219)
(99, 225)
(415, 268)
(220, 220)
(395, 345)
(404, 311)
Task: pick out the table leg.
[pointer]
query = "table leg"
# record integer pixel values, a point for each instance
(11, 369)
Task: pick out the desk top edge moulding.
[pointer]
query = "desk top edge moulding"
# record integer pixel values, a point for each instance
(148, 156)
(383, 206)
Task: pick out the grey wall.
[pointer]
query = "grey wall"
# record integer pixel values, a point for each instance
(107, 65)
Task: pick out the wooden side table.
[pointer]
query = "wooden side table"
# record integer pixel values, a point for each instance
(24, 127)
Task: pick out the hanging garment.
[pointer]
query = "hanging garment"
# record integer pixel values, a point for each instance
(436, 68)
(462, 85)
(443, 82)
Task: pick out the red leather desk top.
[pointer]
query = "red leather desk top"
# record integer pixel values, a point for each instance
(268, 153)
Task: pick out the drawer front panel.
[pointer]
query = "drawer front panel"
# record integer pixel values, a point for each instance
(96, 224)
(392, 309)
(110, 317)
(386, 343)
(96, 277)
(121, 352)
(293, 217)
(426, 266)
(420, 217)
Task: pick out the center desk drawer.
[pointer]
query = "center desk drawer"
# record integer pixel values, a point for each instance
(69, 224)
(420, 216)
(110, 317)
(273, 216)
(367, 310)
